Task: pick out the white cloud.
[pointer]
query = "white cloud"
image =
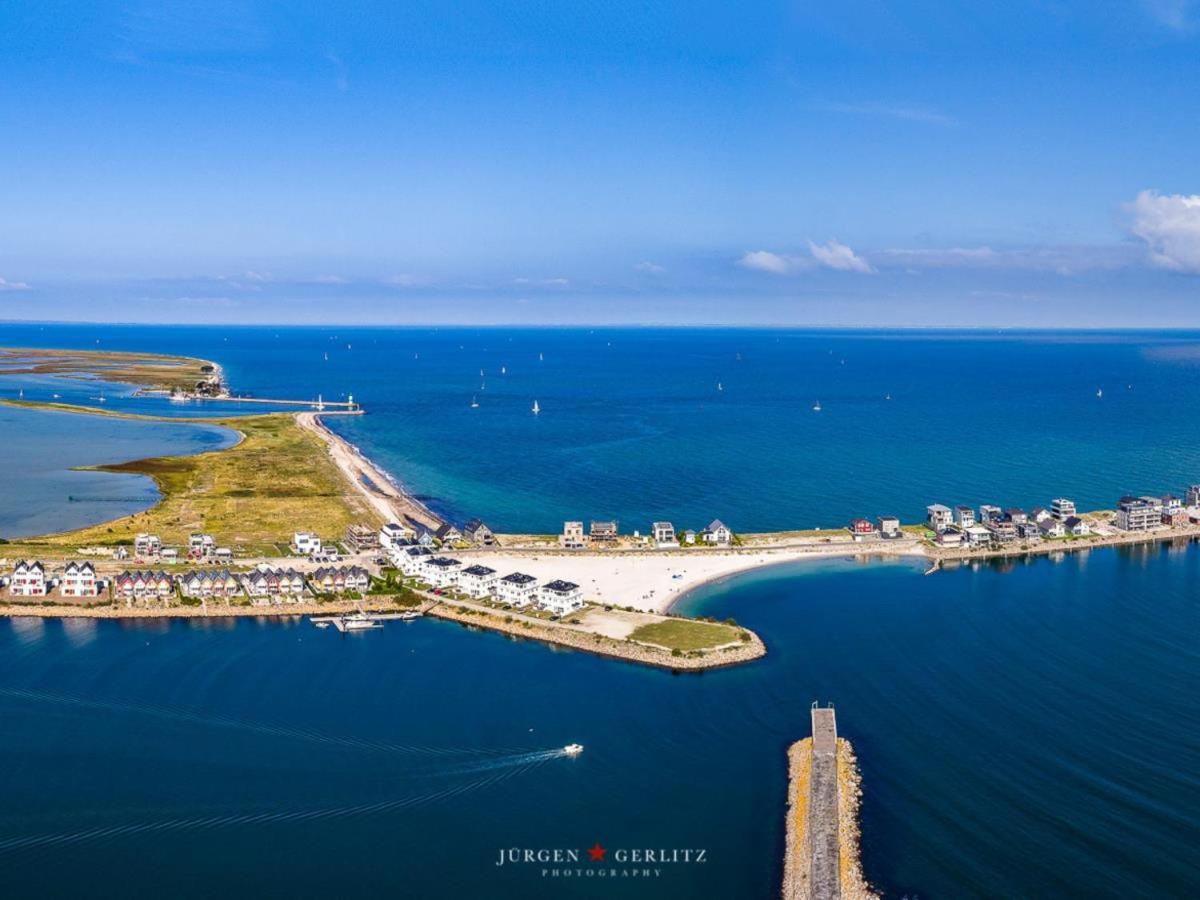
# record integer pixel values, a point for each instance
(329, 279)
(1170, 226)
(766, 261)
(6, 285)
(650, 268)
(835, 255)
(831, 255)
(544, 282)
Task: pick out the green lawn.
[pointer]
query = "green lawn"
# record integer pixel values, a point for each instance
(685, 634)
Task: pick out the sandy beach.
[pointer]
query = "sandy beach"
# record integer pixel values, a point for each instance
(392, 502)
(653, 581)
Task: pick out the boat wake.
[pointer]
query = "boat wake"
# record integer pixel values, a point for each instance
(267, 729)
(300, 816)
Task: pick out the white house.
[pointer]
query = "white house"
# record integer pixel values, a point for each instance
(938, 517)
(1062, 508)
(147, 545)
(977, 536)
(664, 534)
(572, 536)
(889, 526)
(1077, 527)
(717, 533)
(561, 597)
(393, 534)
(478, 581)
(28, 580)
(517, 589)
(411, 560)
(79, 580)
(201, 546)
(441, 571)
(305, 543)
(1052, 528)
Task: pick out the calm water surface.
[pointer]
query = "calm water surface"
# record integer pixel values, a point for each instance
(1029, 733)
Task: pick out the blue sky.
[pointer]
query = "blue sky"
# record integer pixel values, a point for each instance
(892, 163)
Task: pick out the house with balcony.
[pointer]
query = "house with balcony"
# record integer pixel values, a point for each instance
(664, 535)
(561, 597)
(938, 517)
(518, 589)
(604, 531)
(147, 546)
(1062, 508)
(1077, 527)
(28, 579)
(361, 539)
(1052, 528)
(889, 526)
(1139, 513)
(144, 586)
(477, 581)
(572, 536)
(393, 534)
(201, 546)
(441, 571)
(79, 580)
(989, 512)
(448, 535)
(964, 517)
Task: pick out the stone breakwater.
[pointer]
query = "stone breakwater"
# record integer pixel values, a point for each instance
(799, 881)
(591, 642)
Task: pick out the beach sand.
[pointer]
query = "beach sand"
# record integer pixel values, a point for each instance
(650, 581)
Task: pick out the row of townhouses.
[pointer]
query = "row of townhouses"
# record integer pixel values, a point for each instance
(662, 534)
(79, 580)
(480, 582)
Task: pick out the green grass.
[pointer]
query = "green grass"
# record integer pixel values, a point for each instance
(685, 634)
(278, 479)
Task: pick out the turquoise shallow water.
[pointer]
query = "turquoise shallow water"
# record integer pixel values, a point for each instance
(1024, 731)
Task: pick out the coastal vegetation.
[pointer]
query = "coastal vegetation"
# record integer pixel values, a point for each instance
(149, 371)
(686, 634)
(278, 478)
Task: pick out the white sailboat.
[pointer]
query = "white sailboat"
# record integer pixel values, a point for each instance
(504, 370)
(720, 387)
(541, 358)
(817, 406)
(1099, 392)
(474, 403)
(536, 409)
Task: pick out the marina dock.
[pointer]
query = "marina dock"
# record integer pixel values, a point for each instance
(340, 622)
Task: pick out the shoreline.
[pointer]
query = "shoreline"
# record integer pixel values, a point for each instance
(384, 493)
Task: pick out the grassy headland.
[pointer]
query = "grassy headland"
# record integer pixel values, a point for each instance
(152, 371)
(278, 479)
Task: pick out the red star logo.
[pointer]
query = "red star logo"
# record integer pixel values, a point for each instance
(597, 852)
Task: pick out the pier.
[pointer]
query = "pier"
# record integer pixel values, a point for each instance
(339, 622)
(822, 855)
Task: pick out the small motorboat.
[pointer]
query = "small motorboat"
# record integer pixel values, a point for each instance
(573, 749)
(321, 624)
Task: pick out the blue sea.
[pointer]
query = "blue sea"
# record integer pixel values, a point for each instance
(1024, 730)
